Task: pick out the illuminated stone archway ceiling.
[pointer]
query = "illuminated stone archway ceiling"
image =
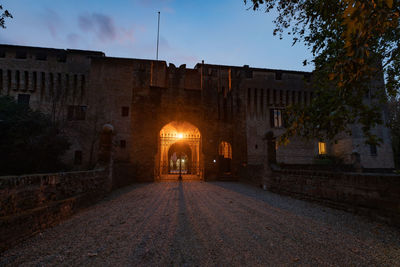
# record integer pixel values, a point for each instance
(180, 130)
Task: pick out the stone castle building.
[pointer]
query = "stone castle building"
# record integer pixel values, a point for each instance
(207, 122)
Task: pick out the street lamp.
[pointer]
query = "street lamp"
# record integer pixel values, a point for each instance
(180, 166)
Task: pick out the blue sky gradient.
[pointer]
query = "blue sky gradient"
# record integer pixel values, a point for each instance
(218, 32)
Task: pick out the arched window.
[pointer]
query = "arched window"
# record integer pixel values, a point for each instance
(225, 150)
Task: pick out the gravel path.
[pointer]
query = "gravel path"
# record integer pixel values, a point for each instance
(197, 223)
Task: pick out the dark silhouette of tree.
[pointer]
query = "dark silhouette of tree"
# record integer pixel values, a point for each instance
(4, 14)
(29, 141)
(354, 44)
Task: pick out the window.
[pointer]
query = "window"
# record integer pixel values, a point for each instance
(17, 80)
(122, 143)
(125, 111)
(20, 55)
(62, 58)
(1, 80)
(75, 84)
(255, 99)
(321, 148)
(373, 150)
(83, 85)
(9, 79)
(76, 113)
(276, 118)
(26, 74)
(34, 77)
(42, 84)
(248, 97)
(278, 75)
(78, 157)
(274, 96)
(2, 54)
(51, 84)
(41, 56)
(225, 150)
(66, 84)
(23, 99)
(293, 97)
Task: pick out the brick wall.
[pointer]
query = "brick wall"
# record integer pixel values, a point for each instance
(375, 195)
(31, 203)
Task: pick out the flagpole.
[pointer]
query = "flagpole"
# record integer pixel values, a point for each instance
(158, 34)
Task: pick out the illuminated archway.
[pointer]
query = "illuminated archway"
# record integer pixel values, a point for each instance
(179, 143)
(225, 157)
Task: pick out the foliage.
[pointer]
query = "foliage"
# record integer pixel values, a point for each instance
(3, 17)
(353, 43)
(394, 124)
(30, 143)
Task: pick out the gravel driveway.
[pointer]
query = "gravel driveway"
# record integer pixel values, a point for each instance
(197, 223)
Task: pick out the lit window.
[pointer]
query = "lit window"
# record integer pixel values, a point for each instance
(276, 118)
(321, 148)
(225, 150)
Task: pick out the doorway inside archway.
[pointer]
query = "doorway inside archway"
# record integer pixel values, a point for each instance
(179, 152)
(180, 158)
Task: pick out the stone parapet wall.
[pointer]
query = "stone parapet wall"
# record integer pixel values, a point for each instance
(375, 195)
(30, 203)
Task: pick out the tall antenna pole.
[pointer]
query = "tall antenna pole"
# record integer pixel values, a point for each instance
(158, 33)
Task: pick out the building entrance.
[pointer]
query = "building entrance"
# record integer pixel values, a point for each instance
(179, 152)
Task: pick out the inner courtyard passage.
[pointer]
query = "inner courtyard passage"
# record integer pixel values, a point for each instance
(203, 224)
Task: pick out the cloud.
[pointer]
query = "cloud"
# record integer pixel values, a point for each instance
(104, 29)
(53, 22)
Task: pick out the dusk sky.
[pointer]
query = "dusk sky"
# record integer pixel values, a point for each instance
(218, 32)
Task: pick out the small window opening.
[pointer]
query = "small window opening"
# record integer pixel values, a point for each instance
(41, 56)
(78, 157)
(20, 55)
(373, 150)
(125, 111)
(62, 58)
(26, 74)
(17, 79)
(122, 143)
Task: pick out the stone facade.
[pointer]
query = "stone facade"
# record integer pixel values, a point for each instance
(232, 109)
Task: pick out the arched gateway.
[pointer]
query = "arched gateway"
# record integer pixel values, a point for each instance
(179, 152)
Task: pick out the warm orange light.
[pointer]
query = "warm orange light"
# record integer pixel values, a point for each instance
(180, 136)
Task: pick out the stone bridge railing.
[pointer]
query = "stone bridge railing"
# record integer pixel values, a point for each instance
(375, 195)
(30, 203)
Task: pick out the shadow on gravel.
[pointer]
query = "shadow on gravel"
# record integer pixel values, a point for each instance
(182, 237)
(124, 190)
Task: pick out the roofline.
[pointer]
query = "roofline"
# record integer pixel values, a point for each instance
(251, 68)
(52, 49)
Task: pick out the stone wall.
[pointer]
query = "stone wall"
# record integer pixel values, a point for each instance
(31, 203)
(375, 195)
